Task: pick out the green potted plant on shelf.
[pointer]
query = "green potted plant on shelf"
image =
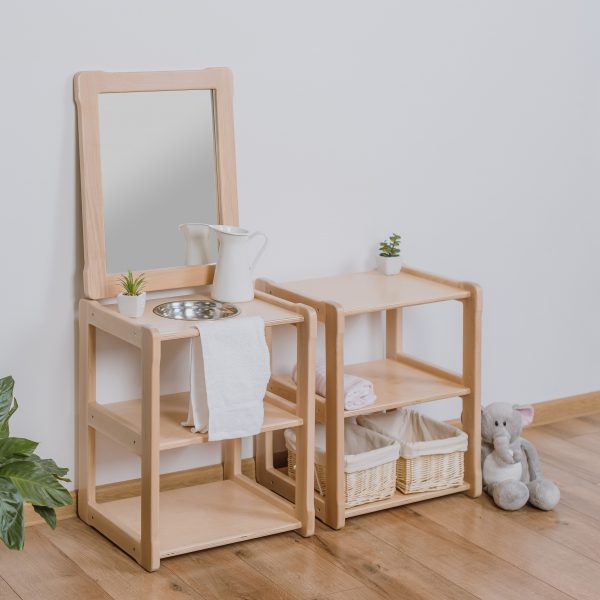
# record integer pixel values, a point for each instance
(25, 477)
(389, 261)
(132, 300)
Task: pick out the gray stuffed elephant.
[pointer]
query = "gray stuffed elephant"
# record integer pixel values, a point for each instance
(511, 467)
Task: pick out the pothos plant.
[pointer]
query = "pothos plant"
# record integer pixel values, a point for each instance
(25, 477)
(390, 248)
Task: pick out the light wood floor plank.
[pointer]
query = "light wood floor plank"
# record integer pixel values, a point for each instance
(565, 525)
(575, 492)
(452, 548)
(594, 418)
(219, 574)
(41, 571)
(571, 428)
(361, 593)
(563, 453)
(383, 569)
(498, 533)
(6, 592)
(112, 569)
(293, 564)
(590, 442)
(454, 558)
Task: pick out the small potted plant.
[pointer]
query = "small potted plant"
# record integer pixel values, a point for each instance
(132, 300)
(389, 261)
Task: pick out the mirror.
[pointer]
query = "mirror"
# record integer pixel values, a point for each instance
(158, 167)
(157, 158)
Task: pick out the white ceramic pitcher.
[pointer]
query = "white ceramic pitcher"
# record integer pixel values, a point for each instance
(233, 280)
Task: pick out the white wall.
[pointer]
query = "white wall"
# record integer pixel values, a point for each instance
(469, 126)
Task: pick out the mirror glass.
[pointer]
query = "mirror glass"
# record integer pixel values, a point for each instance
(157, 153)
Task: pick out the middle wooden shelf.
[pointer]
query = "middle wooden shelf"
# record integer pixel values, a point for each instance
(396, 384)
(121, 421)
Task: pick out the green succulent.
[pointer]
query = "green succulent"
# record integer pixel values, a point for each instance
(132, 286)
(390, 247)
(25, 477)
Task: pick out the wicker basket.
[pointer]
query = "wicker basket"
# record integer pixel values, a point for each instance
(363, 485)
(431, 452)
(432, 472)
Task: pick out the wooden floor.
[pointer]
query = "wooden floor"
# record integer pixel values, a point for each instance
(451, 547)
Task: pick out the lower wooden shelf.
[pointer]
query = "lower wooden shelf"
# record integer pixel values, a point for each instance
(204, 516)
(398, 499)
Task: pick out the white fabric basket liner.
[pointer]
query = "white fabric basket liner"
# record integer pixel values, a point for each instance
(364, 448)
(417, 434)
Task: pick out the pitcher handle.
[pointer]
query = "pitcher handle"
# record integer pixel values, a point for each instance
(261, 249)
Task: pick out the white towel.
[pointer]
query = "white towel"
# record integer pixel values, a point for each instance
(229, 373)
(358, 392)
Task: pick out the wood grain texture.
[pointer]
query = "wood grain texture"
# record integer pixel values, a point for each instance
(296, 566)
(6, 592)
(453, 547)
(113, 570)
(221, 574)
(382, 568)
(466, 565)
(496, 531)
(40, 570)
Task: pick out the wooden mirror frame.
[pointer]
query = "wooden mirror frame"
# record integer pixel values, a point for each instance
(98, 283)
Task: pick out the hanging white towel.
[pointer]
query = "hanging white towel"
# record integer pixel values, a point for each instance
(229, 373)
(358, 392)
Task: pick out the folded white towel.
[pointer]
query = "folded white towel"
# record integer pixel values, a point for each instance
(229, 373)
(358, 392)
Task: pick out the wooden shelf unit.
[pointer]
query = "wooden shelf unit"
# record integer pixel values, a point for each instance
(399, 379)
(160, 524)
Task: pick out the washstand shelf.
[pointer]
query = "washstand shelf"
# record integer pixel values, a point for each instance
(399, 379)
(159, 524)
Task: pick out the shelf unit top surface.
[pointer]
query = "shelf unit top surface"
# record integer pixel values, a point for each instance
(371, 291)
(174, 409)
(174, 329)
(204, 516)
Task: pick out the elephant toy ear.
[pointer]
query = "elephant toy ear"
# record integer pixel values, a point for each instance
(526, 413)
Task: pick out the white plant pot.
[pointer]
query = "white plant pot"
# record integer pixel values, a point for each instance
(389, 265)
(131, 306)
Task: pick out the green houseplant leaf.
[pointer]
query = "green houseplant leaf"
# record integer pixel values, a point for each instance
(25, 477)
(34, 484)
(51, 467)
(12, 528)
(11, 447)
(47, 513)
(7, 385)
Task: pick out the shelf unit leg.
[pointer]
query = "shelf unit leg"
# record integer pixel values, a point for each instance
(263, 453)
(151, 351)
(471, 413)
(393, 332)
(232, 458)
(263, 443)
(334, 432)
(305, 408)
(87, 395)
